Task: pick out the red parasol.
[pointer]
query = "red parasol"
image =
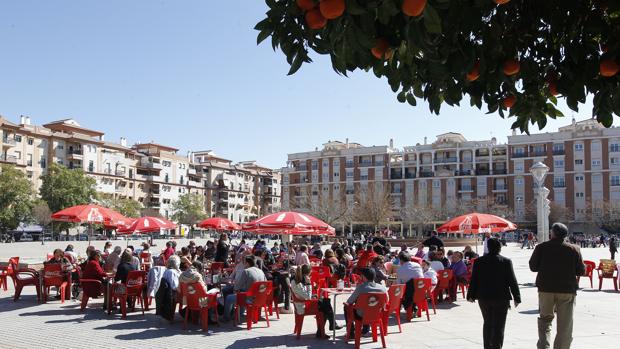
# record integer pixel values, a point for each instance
(289, 223)
(92, 214)
(219, 223)
(149, 225)
(477, 223)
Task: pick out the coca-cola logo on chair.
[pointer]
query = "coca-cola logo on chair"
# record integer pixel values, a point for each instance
(373, 301)
(262, 288)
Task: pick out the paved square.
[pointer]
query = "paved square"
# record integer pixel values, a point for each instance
(26, 324)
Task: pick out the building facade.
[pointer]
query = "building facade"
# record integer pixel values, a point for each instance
(454, 174)
(153, 174)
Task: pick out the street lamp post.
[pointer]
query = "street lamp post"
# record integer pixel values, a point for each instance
(539, 172)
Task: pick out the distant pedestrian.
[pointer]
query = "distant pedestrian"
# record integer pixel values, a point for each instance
(613, 247)
(493, 283)
(558, 264)
(433, 241)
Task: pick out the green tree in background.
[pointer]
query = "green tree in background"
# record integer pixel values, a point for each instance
(126, 207)
(188, 209)
(16, 198)
(63, 187)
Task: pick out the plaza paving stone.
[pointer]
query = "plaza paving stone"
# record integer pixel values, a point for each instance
(26, 324)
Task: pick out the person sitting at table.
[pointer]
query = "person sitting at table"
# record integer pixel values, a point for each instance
(193, 274)
(367, 286)
(114, 258)
(59, 258)
(69, 251)
(406, 273)
(378, 265)
(329, 259)
(93, 271)
(275, 249)
(435, 263)
(440, 255)
(342, 258)
(222, 250)
(469, 254)
(173, 271)
(135, 261)
(125, 266)
(185, 253)
(209, 250)
(200, 255)
(429, 273)
(420, 252)
(107, 248)
(168, 251)
(459, 270)
(250, 275)
(166, 294)
(301, 258)
(89, 250)
(302, 289)
(366, 257)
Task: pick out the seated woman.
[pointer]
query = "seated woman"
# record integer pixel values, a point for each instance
(59, 258)
(378, 264)
(113, 259)
(302, 291)
(93, 271)
(124, 267)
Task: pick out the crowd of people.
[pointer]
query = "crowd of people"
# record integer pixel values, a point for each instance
(371, 266)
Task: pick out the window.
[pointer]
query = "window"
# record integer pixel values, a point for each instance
(364, 177)
(578, 178)
(579, 194)
(614, 161)
(325, 163)
(436, 183)
(558, 147)
(519, 199)
(578, 147)
(558, 182)
(349, 173)
(91, 166)
(18, 138)
(42, 162)
(349, 163)
(558, 163)
(166, 163)
(596, 163)
(18, 155)
(30, 141)
(615, 181)
(29, 160)
(519, 181)
(336, 163)
(614, 147)
(578, 162)
(519, 166)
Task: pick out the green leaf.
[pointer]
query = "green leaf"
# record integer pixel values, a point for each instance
(262, 36)
(354, 8)
(297, 62)
(401, 97)
(432, 21)
(411, 99)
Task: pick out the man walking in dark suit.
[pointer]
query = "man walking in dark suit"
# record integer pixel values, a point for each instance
(492, 282)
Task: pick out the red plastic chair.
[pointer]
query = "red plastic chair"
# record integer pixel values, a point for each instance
(417, 260)
(354, 279)
(22, 278)
(193, 294)
(443, 283)
(53, 276)
(590, 267)
(216, 267)
(314, 260)
(607, 270)
(260, 292)
(90, 289)
(311, 307)
(133, 288)
(50, 255)
(4, 273)
(372, 306)
(320, 278)
(422, 289)
(272, 303)
(69, 257)
(145, 261)
(395, 298)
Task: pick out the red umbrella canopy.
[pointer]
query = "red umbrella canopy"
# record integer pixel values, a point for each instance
(219, 223)
(123, 228)
(150, 225)
(93, 214)
(477, 223)
(291, 223)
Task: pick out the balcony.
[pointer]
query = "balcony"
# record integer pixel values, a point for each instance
(615, 183)
(396, 176)
(410, 175)
(119, 189)
(349, 165)
(349, 191)
(538, 153)
(8, 158)
(558, 152)
(501, 171)
(365, 163)
(150, 164)
(120, 173)
(462, 173)
(559, 185)
(445, 160)
(518, 155)
(154, 193)
(500, 187)
(482, 172)
(9, 142)
(426, 174)
(466, 189)
(76, 154)
(191, 171)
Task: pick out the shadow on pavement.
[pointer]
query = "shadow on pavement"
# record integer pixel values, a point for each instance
(308, 341)
(529, 312)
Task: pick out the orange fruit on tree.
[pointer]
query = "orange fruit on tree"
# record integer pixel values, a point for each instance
(315, 19)
(501, 2)
(306, 5)
(474, 73)
(553, 88)
(511, 67)
(382, 49)
(509, 101)
(609, 68)
(332, 9)
(413, 8)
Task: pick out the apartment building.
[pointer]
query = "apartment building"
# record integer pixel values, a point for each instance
(150, 173)
(241, 191)
(584, 173)
(584, 169)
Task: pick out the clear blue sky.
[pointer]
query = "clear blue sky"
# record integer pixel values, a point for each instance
(189, 74)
